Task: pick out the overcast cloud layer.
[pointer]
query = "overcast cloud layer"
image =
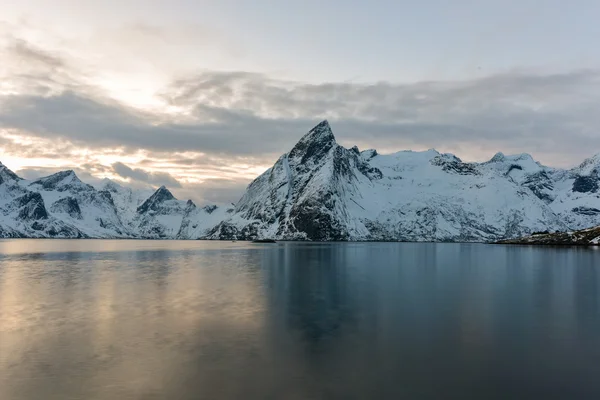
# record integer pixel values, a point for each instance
(207, 133)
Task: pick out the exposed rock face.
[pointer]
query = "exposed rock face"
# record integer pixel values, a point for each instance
(69, 206)
(584, 237)
(585, 184)
(453, 164)
(155, 201)
(31, 207)
(586, 211)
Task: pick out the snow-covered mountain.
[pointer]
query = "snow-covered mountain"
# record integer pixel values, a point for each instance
(323, 191)
(62, 206)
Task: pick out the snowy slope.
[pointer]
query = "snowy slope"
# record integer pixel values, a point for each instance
(323, 191)
(198, 221)
(126, 200)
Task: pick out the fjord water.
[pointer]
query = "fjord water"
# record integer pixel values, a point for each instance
(220, 320)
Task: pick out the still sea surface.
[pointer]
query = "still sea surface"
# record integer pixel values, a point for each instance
(93, 319)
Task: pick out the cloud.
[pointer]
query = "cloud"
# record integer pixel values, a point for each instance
(241, 114)
(29, 69)
(89, 122)
(219, 191)
(29, 53)
(138, 174)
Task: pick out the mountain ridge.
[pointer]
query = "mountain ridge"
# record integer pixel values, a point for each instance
(322, 191)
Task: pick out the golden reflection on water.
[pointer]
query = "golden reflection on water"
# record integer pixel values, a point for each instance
(131, 307)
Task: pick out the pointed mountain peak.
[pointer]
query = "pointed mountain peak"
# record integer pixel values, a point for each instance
(498, 157)
(70, 174)
(317, 142)
(322, 131)
(164, 193)
(161, 195)
(589, 165)
(7, 175)
(60, 179)
(190, 205)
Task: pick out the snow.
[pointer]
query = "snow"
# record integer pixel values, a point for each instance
(421, 196)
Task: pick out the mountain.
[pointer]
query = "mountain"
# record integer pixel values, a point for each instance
(197, 222)
(62, 206)
(161, 215)
(126, 200)
(24, 211)
(321, 190)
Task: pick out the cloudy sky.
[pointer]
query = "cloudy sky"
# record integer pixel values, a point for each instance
(203, 95)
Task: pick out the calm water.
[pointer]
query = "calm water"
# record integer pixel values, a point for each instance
(211, 320)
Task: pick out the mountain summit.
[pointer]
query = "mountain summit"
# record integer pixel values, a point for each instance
(161, 195)
(6, 175)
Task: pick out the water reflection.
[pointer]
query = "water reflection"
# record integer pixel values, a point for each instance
(143, 320)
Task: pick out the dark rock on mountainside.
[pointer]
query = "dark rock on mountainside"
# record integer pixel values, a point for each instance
(67, 205)
(31, 207)
(541, 185)
(454, 164)
(585, 184)
(153, 203)
(584, 237)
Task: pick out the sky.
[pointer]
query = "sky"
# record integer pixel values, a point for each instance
(203, 96)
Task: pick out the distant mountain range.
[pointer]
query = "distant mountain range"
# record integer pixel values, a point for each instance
(323, 191)
(62, 206)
